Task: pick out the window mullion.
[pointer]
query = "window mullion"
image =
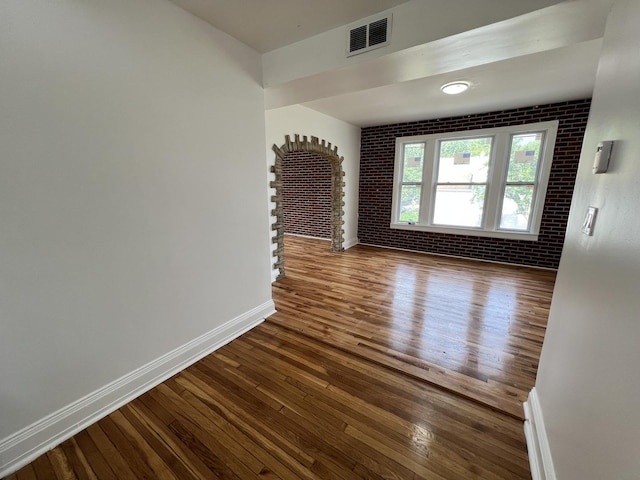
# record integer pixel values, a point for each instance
(428, 181)
(397, 184)
(497, 176)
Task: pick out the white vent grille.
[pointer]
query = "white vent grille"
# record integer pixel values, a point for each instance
(368, 34)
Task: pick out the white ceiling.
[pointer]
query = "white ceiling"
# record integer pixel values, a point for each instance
(266, 25)
(559, 75)
(555, 61)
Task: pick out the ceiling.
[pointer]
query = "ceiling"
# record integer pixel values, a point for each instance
(548, 77)
(266, 25)
(556, 59)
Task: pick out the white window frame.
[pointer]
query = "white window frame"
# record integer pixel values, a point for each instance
(496, 181)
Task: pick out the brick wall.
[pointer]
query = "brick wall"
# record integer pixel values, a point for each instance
(306, 194)
(376, 186)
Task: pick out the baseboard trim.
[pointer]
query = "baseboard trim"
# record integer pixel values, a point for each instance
(537, 442)
(481, 260)
(307, 236)
(352, 242)
(26, 445)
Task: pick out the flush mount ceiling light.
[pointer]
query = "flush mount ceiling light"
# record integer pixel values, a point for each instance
(454, 88)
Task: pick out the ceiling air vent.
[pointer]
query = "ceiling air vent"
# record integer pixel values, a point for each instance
(368, 34)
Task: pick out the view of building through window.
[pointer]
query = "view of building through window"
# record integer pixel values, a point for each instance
(487, 182)
(411, 182)
(463, 168)
(521, 178)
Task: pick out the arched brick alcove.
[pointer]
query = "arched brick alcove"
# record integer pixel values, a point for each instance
(337, 193)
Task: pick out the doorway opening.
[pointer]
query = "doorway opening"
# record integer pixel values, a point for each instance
(330, 153)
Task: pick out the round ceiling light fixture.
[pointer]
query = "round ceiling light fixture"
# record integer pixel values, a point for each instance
(454, 88)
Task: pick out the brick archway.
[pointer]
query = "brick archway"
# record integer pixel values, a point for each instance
(337, 193)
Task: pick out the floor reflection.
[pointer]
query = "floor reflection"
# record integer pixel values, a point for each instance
(468, 325)
(459, 319)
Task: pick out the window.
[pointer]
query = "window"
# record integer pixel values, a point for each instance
(483, 182)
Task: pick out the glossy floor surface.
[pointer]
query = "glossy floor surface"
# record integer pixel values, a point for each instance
(474, 328)
(331, 387)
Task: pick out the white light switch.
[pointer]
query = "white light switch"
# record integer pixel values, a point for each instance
(589, 221)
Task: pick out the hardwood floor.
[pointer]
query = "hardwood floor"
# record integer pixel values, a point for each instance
(470, 327)
(333, 385)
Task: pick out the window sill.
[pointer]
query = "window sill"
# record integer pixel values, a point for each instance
(527, 236)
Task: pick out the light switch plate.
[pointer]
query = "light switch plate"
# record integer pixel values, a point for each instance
(589, 221)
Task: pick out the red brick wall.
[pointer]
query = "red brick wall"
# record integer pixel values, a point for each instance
(376, 186)
(306, 194)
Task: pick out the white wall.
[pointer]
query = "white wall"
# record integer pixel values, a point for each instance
(589, 377)
(300, 120)
(132, 193)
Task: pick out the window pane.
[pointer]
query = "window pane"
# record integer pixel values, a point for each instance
(413, 160)
(523, 160)
(410, 203)
(464, 161)
(460, 206)
(516, 207)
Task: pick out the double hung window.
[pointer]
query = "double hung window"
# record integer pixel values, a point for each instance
(482, 182)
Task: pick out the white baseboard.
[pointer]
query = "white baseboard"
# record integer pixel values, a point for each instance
(482, 260)
(307, 236)
(26, 445)
(537, 442)
(352, 242)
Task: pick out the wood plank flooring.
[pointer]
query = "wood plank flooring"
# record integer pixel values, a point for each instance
(470, 327)
(334, 392)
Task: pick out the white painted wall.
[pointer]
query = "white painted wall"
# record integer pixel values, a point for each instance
(300, 120)
(132, 193)
(588, 381)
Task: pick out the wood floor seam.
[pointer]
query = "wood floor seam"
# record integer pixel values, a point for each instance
(407, 374)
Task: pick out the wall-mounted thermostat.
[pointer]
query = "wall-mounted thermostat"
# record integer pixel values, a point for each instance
(603, 154)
